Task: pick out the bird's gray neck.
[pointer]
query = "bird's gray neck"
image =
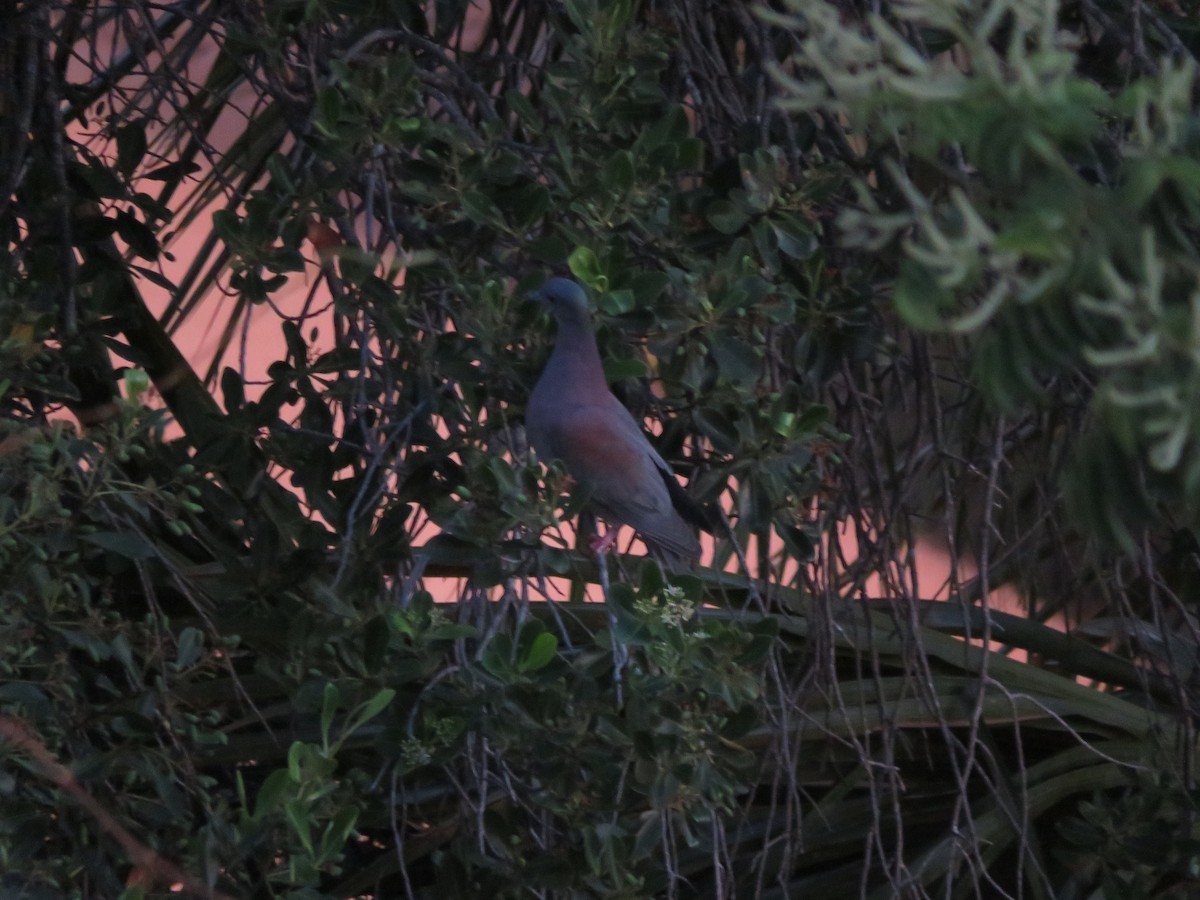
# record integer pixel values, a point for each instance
(576, 357)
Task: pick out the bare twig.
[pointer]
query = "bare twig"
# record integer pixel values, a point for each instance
(149, 866)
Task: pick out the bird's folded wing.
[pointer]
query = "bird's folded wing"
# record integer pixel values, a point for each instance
(618, 467)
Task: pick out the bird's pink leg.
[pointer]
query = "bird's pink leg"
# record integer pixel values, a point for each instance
(603, 543)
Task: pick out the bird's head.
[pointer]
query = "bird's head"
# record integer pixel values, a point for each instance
(564, 298)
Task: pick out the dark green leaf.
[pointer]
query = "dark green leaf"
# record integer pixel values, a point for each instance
(124, 543)
(140, 238)
(231, 388)
(618, 172)
(727, 217)
(131, 147)
(173, 172)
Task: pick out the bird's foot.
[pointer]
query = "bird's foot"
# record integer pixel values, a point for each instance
(600, 544)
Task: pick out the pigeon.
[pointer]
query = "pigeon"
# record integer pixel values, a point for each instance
(572, 416)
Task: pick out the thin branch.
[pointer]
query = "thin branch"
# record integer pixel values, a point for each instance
(148, 864)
